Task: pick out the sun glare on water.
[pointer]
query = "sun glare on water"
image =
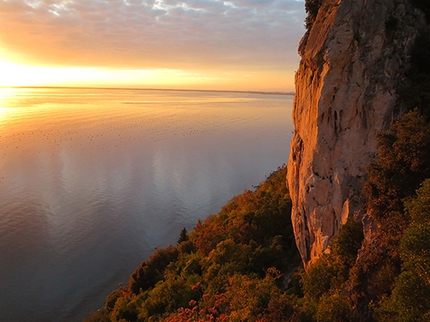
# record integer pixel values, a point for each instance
(6, 94)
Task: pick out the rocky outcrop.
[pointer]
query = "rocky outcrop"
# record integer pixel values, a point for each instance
(354, 59)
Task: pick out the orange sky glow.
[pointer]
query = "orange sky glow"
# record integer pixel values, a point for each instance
(194, 44)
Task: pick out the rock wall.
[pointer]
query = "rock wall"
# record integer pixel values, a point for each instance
(354, 58)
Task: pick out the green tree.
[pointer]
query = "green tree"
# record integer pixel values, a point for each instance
(348, 241)
(334, 308)
(410, 298)
(404, 160)
(318, 278)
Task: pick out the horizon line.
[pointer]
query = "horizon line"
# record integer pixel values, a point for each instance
(153, 89)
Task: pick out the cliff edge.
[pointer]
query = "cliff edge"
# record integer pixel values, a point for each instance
(354, 58)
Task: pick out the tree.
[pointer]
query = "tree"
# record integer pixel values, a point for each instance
(410, 298)
(348, 241)
(152, 270)
(183, 236)
(404, 161)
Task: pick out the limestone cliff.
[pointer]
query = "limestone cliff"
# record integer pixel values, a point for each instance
(354, 58)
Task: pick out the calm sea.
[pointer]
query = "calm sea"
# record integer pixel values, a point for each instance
(93, 180)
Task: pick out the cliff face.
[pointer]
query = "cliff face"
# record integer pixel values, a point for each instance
(354, 58)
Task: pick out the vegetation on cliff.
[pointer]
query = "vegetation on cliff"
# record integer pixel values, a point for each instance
(232, 267)
(311, 7)
(424, 5)
(385, 278)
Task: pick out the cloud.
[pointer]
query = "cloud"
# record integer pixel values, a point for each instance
(142, 34)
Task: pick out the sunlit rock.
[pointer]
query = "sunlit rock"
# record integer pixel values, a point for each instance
(354, 58)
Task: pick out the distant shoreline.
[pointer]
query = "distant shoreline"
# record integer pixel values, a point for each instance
(153, 89)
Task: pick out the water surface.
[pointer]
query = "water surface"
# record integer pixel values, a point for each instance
(93, 180)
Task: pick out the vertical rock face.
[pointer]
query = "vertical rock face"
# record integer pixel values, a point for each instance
(353, 61)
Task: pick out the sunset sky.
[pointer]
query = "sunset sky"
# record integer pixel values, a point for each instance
(193, 44)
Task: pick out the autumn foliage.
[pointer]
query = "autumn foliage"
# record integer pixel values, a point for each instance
(231, 267)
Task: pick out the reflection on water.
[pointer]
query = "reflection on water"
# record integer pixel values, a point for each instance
(91, 181)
